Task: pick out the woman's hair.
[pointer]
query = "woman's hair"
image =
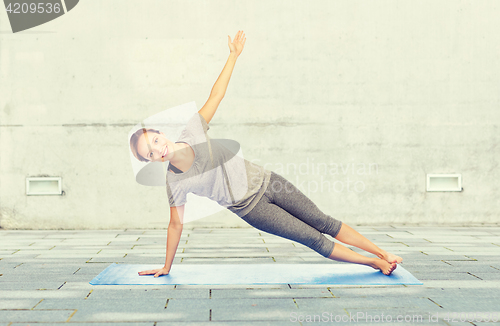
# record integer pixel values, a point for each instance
(135, 138)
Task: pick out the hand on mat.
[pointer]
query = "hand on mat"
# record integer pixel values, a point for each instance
(236, 46)
(157, 272)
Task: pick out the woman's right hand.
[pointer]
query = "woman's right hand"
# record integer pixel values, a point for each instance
(157, 272)
(236, 46)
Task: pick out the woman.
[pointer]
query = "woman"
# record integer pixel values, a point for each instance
(262, 198)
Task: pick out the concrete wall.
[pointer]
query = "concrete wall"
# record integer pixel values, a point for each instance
(382, 92)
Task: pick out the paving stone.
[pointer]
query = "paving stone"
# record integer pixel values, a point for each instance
(228, 323)
(443, 276)
(252, 309)
(43, 294)
(139, 294)
(90, 268)
(147, 260)
(487, 276)
(469, 264)
(122, 316)
(242, 260)
(21, 256)
(226, 254)
(459, 304)
(118, 287)
(405, 291)
(41, 267)
(25, 285)
(316, 260)
(18, 303)
(312, 286)
(323, 304)
(436, 257)
(474, 250)
(80, 242)
(236, 245)
(8, 266)
(460, 284)
(288, 260)
(234, 286)
(34, 277)
(131, 323)
(185, 310)
(35, 316)
(270, 293)
(125, 303)
(213, 240)
(451, 269)
(109, 260)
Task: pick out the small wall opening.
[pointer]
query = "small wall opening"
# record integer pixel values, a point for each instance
(43, 186)
(444, 182)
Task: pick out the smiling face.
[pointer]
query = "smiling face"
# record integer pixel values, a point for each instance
(155, 147)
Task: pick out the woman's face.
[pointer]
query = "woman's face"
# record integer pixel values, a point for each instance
(155, 147)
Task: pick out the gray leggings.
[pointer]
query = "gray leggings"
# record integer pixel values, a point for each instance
(285, 211)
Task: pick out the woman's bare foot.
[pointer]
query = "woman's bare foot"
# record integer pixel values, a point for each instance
(385, 267)
(391, 258)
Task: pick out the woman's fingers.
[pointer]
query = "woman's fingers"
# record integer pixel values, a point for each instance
(152, 271)
(237, 44)
(238, 36)
(156, 272)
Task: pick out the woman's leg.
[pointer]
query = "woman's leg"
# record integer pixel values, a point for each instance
(271, 218)
(352, 237)
(285, 195)
(290, 198)
(342, 253)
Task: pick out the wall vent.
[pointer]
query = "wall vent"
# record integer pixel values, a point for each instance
(43, 186)
(444, 182)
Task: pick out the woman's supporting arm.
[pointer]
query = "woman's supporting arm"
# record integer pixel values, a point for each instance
(174, 233)
(220, 86)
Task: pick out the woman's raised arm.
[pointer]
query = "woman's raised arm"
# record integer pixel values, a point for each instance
(220, 86)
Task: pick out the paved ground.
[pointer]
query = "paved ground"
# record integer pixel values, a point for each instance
(44, 278)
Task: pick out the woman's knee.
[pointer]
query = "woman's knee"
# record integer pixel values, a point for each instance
(324, 247)
(331, 226)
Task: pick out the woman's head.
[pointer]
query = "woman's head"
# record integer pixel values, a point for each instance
(151, 145)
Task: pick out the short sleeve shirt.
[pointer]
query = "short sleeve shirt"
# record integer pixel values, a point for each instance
(217, 172)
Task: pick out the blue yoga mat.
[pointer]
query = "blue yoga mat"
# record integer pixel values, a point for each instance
(226, 274)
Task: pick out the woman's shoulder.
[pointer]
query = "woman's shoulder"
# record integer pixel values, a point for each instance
(195, 131)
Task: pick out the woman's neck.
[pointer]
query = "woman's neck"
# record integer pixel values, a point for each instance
(184, 156)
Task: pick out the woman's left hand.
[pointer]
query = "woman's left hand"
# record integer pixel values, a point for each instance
(236, 46)
(156, 272)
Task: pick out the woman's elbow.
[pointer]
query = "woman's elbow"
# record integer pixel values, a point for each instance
(175, 226)
(217, 95)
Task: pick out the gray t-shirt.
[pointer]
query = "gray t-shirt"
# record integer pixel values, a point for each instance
(217, 172)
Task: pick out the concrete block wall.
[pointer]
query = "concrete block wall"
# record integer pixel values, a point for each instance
(353, 101)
